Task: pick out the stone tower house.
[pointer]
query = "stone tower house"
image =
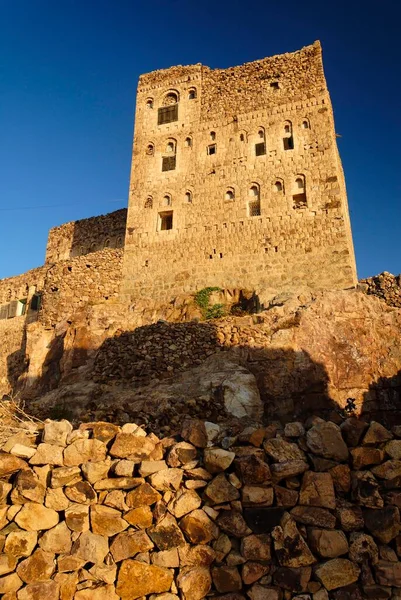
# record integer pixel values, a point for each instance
(236, 181)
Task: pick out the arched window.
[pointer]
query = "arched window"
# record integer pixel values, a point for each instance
(188, 142)
(242, 137)
(167, 200)
(299, 193)
(260, 146)
(107, 243)
(278, 185)
(254, 201)
(169, 160)
(212, 135)
(149, 103)
(305, 124)
(149, 202)
(120, 242)
(188, 197)
(168, 112)
(288, 140)
(150, 149)
(230, 194)
(192, 94)
(93, 247)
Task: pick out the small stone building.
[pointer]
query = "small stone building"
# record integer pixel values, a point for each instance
(236, 181)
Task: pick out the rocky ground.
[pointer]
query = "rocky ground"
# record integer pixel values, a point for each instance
(308, 512)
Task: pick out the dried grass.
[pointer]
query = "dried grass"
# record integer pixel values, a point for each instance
(14, 419)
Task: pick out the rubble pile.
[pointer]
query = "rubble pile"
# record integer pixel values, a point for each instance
(309, 511)
(385, 286)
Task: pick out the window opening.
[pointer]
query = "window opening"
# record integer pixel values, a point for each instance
(275, 85)
(167, 114)
(299, 197)
(188, 142)
(150, 150)
(261, 134)
(168, 163)
(170, 147)
(305, 124)
(188, 197)
(35, 301)
(242, 137)
(165, 220)
(278, 186)
(167, 200)
(288, 140)
(211, 149)
(149, 103)
(230, 195)
(149, 202)
(212, 135)
(192, 94)
(254, 202)
(260, 149)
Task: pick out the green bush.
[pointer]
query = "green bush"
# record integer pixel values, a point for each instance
(202, 299)
(215, 312)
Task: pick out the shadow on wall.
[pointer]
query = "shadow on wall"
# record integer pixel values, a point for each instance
(168, 370)
(97, 233)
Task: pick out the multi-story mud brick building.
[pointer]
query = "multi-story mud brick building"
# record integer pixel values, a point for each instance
(237, 181)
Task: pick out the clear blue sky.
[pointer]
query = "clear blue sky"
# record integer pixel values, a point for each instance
(68, 75)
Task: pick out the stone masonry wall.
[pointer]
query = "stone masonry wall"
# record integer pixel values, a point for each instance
(308, 512)
(385, 286)
(82, 237)
(214, 239)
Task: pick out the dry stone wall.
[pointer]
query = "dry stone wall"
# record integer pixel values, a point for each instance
(256, 197)
(308, 512)
(385, 286)
(78, 238)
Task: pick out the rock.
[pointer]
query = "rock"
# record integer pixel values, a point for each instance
(388, 470)
(184, 502)
(23, 451)
(365, 456)
(84, 450)
(128, 445)
(376, 434)
(288, 469)
(56, 499)
(166, 558)
(168, 479)
(384, 523)
(57, 540)
(129, 543)
(233, 523)
(77, 517)
(295, 580)
(256, 547)
(106, 521)
(20, 543)
(38, 567)
(136, 579)
(81, 492)
(196, 556)
(141, 517)
(8, 562)
(226, 579)
(181, 454)
(166, 534)
(253, 571)
(194, 582)
(317, 490)
(252, 470)
(125, 468)
(35, 517)
(285, 497)
(105, 432)
(393, 449)
(318, 517)
(95, 471)
(290, 548)
(253, 495)
(325, 439)
(198, 527)
(118, 483)
(38, 591)
(261, 592)
(10, 583)
(341, 476)
(103, 592)
(220, 490)
(328, 543)
(69, 563)
(105, 573)
(194, 431)
(148, 467)
(48, 454)
(91, 547)
(282, 451)
(144, 495)
(337, 573)
(349, 515)
(217, 460)
(294, 429)
(352, 430)
(365, 490)
(29, 487)
(363, 548)
(10, 464)
(65, 476)
(388, 573)
(56, 432)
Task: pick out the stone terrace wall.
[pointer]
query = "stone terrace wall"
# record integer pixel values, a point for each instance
(310, 512)
(12, 354)
(78, 282)
(87, 235)
(385, 286)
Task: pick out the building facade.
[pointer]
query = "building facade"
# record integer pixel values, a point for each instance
(236, 181)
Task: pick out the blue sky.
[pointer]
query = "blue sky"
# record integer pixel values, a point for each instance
(68, 76)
